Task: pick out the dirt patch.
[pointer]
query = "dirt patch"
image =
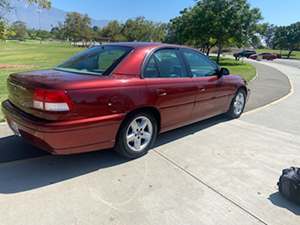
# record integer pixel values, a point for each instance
(14, 66)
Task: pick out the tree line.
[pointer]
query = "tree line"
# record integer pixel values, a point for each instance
(216, 23)
(208, 24)
(282, 37)
(77, 28)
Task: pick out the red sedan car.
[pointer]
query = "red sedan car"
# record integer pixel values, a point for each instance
(267, 56)
(119, 96)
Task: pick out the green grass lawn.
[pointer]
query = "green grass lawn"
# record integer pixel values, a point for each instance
(245, 70)
(295, 54)
(32, 55)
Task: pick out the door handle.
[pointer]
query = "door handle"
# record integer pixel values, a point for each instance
(202, 89)
(162, 92)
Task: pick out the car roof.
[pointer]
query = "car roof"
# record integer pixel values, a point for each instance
(136, 44)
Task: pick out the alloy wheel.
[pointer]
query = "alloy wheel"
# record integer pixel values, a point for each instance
(239, 104)
(139, 134)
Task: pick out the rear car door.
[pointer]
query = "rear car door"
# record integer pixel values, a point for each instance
(171, 87)
(213, 92)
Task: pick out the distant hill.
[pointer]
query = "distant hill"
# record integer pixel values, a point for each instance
(40, 18)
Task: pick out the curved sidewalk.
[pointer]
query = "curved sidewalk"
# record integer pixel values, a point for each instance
(283, 115)
(269, 86)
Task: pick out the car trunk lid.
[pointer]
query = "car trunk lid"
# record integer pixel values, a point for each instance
(22, 87)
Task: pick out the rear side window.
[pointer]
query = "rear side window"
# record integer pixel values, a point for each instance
(151, 70)
(165, 63)
(199, 64)
(99, 60)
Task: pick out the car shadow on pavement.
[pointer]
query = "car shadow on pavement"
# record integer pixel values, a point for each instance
(25, 175)
(281, 202)
(24, 167)
(13, 148)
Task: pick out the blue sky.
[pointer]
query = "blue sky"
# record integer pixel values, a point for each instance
(279, 12)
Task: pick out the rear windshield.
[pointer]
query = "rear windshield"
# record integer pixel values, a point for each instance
(100, 60)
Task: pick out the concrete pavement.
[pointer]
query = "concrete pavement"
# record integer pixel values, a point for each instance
(283, 116)
(288, 62)
(212, 172)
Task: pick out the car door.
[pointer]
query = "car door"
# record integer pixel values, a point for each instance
(213, 92)
(171, 87)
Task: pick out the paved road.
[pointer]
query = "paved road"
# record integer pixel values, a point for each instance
(288, 62)
(269, 86)
(213, 172)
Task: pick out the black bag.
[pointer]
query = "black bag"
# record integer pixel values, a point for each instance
(289, 184)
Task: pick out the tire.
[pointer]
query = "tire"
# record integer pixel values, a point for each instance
(137, 135)
(236, 109)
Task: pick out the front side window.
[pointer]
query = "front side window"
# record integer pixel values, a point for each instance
(199, 64)
(97, 61)
(165, 63)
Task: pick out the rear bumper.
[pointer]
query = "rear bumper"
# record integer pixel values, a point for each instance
(65, 137)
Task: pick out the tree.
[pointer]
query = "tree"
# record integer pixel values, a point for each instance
(95, 28)
(38, 34)
(267, 32)
(58, 32)
(113, 31)
(186, 29)
(140, 29)
(46, 4)
(217, 22)
(20, 30)
(279, 40)
(32, 34)
(4, 4)
(158, 32)
(287, 37)
(78, 27)
(293, 38)
(43, 35)
(5, 31)
(3, 28)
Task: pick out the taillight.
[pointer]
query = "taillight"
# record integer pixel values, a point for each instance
(51, 100)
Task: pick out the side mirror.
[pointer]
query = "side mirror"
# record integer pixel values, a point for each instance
(224, 72)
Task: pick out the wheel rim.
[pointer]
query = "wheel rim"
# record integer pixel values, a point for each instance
(139, 134)
(239, 103)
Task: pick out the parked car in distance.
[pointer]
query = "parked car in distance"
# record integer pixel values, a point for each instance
(119, 96)
(266, 56)
(244, 53)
